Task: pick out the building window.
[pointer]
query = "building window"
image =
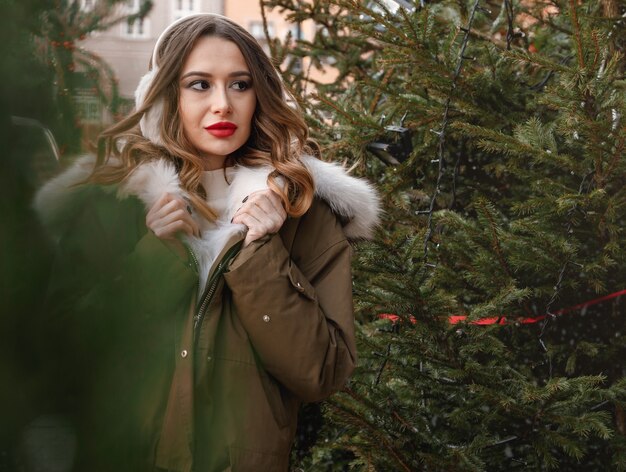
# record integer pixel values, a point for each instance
(256, 29)
(182, 8)
(132, 6)
(296, 32)
(138, 28)
(87, 5)
(89, 107)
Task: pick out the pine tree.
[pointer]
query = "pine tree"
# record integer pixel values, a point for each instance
(500, 131)
(59, 30)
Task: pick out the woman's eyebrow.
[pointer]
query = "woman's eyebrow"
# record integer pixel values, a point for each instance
(239, 73)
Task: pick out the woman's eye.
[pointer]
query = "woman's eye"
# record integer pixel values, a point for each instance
(240, 85)
(199, 85)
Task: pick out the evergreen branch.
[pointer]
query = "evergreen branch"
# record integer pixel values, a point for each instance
(404, 421)
(595, 40)
(488, 38)
(382, 365)
(579, 45)
(540, 19)
(494, 233)
(377, 18)
(455, 172)
(617, 155)
(396, 455)
(538, 60)
(559, 282)
(494, 141)
(508, 5)
(266, 31)
(379, 92)
(407, 21)
(442, 135)
(339, 110)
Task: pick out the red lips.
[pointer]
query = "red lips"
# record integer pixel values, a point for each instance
(223, 129)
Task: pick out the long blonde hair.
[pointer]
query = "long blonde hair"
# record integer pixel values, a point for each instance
(279, 134)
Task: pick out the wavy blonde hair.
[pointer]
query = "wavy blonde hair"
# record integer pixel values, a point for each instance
(278, 135)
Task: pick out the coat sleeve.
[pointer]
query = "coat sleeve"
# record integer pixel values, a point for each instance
(107, 340)
(111, 276)
(299, 318)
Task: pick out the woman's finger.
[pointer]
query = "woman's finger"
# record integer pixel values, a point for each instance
(170, 230)
(268, 200)
(256, 228)
(258, 221)
(277, 203)
(168, 210)
(156, 207)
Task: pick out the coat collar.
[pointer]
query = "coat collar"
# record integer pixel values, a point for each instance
(354, 200)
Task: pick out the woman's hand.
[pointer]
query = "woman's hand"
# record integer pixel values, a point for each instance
(169, 216)
(262, 212)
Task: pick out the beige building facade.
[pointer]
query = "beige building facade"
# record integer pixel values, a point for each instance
(127, 47)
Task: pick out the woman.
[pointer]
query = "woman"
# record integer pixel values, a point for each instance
(203, 288)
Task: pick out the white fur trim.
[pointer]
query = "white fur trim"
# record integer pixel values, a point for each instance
(53, 197)
(208, 247)
(352, 198)
(245, 180)
(151, 180)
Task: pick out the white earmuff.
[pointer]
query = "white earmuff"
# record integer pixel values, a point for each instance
(150, 123)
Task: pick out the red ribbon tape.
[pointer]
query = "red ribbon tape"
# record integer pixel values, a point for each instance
(502, 320)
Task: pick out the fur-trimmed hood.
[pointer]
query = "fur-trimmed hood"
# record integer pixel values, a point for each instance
(354, 200)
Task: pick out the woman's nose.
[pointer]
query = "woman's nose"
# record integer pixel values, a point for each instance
(221, 102)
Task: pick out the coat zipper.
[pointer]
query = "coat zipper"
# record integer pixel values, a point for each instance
(214, 280)
(195, 261)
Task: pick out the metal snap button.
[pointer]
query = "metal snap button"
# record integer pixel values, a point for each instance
(183, 353)
(266, 318)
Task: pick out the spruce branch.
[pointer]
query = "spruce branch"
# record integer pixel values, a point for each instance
(615, 160)
(577, 36)
(382, 365)
(487, 210)
(266, 32)
(538, 60)
(461, 155)
(372, 428)
(543, 21)
(379, 91)
(508, 6)
(559, 281)
(441, 133)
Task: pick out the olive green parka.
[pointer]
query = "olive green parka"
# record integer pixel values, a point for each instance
(196, 363)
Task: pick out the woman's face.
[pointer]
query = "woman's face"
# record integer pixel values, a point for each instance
(217, 99)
